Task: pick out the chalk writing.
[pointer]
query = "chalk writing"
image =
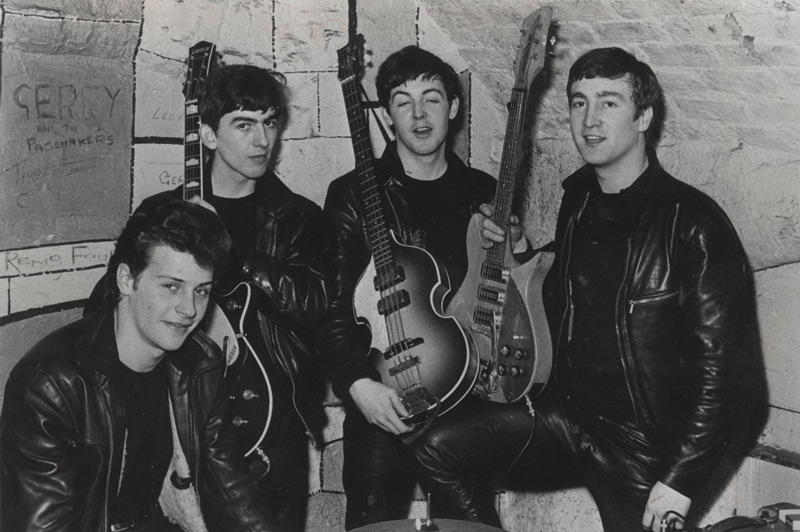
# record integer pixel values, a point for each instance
(67, 101)
(158, 114)
(54, 258)
(35, 145)
(165, 178)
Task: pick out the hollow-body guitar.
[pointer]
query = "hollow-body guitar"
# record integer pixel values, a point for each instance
(230, 315)
(427, 357)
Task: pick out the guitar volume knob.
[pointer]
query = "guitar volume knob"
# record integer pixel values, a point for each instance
(249, 395)
(238, 421)
(232, 305)
(519, 354)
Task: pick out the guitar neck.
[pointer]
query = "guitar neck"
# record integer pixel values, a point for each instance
(509, 163)
(377, 229)
(193, 152)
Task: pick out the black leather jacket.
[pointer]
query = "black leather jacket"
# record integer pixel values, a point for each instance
(344, 343)
(685, 318)
(287, 266)
(61, 434)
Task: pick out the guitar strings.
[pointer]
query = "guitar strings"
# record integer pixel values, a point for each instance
(382, 257)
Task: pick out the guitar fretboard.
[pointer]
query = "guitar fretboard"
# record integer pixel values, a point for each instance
(193, 152)
(375, 221)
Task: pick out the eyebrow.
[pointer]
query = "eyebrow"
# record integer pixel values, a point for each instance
(426, 91)
(181, 281)
(602, 94)
(271, 113)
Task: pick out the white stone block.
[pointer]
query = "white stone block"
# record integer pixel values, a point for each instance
(310, 165)
(308, 33)
(242, 31)
(157, 167)
(52, 288)
(159, 97)
(4, 288)
(778, 293)
(302, 93)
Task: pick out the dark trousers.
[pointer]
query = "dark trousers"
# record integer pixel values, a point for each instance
(285, 484)
(463, 448)
(378, 473)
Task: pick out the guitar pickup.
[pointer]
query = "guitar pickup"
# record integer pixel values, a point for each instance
(489, 295)
(389, 279)
(393, 302)
(403, 345)
(404, 366)
(493, 273)
(483, 317)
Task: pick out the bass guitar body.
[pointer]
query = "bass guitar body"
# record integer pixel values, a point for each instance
(426, 356)
(502, 309)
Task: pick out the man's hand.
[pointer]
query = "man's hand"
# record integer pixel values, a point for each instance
(203, 203)
(663, 499)
(381, 405)
(492, 233)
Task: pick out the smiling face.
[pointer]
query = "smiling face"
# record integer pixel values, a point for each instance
(244, 142)
(605, 129)
(420, 112)
(160, 307)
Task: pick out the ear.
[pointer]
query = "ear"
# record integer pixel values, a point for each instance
(125, 280)
(644, 119)
(454, 108)
(208, 136)
(386, 116)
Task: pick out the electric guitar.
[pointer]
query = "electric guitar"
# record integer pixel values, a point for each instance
(427, 357)
(230, 315)
(502, 307)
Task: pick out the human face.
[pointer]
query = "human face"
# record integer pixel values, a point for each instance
(601, 118)
(420, 113)
(243, 141)
(160, 307)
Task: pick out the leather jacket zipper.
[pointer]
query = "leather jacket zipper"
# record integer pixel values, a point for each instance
(632, 303)
(622, 334)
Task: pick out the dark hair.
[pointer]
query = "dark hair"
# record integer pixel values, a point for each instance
(183, 226)
(410, 63)
(241, 87)
(614, 63)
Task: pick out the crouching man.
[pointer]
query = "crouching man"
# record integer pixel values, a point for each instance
(94, 412)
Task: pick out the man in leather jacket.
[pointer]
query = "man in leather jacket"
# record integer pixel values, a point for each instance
(428, 197)
(279, 242)
(94, 412)
(657, 366)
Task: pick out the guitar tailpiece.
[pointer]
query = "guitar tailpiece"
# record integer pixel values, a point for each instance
(265, 459)
(530, 406)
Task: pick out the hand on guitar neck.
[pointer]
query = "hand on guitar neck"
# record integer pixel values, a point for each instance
(381, 405)
(493, 233)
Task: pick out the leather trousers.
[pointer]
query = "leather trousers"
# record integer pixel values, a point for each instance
(461, 451)
(378, 473)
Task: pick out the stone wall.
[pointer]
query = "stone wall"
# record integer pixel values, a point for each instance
(91, 123)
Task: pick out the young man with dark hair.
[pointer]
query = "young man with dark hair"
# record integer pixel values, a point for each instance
(429, 196)
(279, 242)
(94, 412)
(649, 300)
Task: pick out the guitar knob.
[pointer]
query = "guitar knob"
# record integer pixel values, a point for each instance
(504, 350)
(249, 395)
(233, 305)
(519, 354)
(501, 369)
(517, 371)
(238, 421)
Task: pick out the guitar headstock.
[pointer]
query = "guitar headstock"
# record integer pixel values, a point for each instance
(532, 48)
(202, 59)
(352, 58)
